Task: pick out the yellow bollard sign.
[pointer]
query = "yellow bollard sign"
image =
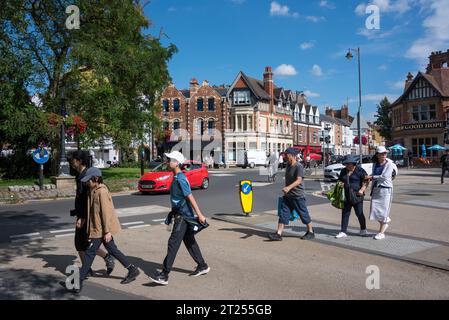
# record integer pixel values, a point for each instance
(246, 196)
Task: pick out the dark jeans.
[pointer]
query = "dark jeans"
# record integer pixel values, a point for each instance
(91, 252)
(444, 170)
(298, 204)
(346, 213)
(182, 232)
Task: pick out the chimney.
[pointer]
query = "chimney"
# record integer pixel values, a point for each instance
(193, 86)
(409, 80)
(329, 112)
(269, 86)
(205, 83)
(344, 112)
(437, 60)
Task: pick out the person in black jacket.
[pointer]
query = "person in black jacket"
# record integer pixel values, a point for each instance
(79, 163)
(353, 177)
(445, 164)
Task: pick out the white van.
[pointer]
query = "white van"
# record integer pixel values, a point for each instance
(253, 158)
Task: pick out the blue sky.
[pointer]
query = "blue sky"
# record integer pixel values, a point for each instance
(305, 41)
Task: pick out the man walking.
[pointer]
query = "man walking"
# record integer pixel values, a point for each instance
(79, 163)
(445, 164)
(294, 198)
(183, 205)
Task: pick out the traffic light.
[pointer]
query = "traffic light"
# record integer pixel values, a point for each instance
(327, 139)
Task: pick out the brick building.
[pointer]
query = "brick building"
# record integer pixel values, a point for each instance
(420, 115)
(306, 125)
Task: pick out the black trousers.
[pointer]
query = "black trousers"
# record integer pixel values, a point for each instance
(444, 170)
(346, 213)
(91, 253)
(181, 232)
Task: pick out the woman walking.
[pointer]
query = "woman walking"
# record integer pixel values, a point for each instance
(353, 177)
(382, 191)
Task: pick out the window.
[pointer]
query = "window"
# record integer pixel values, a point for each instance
(288, 127)
(310, 119)
(428, 142)
(242, 97)
(300, 136)
(176, 125)
(252, 146)
(199, 104)
(199, 127)
(423, 113)
(317, 120)
(211, 127)
(303, 117)
(165, 105)
(176, 105)
(211, 104)
(422, 90)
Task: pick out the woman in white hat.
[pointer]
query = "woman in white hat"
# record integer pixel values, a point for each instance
(382, 191)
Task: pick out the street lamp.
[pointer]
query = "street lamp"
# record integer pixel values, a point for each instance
(63, 164)
(349, 56)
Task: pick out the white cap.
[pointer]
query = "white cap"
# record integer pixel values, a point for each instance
(176, 155)
(381, 149)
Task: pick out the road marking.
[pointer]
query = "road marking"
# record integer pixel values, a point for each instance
(61, 231)
(158, 220)
(25, 235)
(131, 223)
(27, 239)
(64, 235)
(140, 211)
(140, 226)
(222, 175)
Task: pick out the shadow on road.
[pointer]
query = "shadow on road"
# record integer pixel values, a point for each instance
(151, 268)
(9, 251)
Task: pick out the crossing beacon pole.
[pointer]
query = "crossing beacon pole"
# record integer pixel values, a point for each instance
(246, 196)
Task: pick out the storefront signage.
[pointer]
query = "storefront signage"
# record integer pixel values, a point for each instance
(422, 126)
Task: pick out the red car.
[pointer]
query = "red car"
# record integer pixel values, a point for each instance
(160, 178)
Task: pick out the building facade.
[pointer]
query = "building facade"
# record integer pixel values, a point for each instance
(420, 115)
(306, 125)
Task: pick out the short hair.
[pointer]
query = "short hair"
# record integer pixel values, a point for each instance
(80, 156)
(97, 179)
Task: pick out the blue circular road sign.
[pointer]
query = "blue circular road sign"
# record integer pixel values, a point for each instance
(246, 188)
(41, 156)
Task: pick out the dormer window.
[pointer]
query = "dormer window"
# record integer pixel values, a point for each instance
(242, 97)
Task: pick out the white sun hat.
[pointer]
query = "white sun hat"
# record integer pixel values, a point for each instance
(381, 149)
(176, 155)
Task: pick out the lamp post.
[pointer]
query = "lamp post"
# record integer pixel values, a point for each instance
(349, 56)
(63, 164)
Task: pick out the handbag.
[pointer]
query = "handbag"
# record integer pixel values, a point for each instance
(337, 196)
(195, 225)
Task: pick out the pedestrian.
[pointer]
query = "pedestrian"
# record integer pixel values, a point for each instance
(294, 198)
(444, 164)
(410, 159)
(308, 161)
(183, 207)
(102, 224)
(79, 163)
(382, 191)
(353, 178)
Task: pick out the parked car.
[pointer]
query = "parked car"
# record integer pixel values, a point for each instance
(333, 171)
(160, 178)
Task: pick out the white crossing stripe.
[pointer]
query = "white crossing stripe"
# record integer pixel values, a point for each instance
(64, 235)
(61, 231)
(140, 211)
(25, 235)
(140, 226)
(27, 239)
(158, 220)
(131, 223)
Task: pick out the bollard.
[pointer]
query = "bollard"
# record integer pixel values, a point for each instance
(246, 196)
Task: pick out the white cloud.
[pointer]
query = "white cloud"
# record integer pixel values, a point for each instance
(315, 19)
(374, 97)
(386, 6)
(311, 94)
(436, 34)
(327, 4)
(399, 85)
(285, 70)
(307, 45)
(383, 67)
(317, 71)
(281, 10)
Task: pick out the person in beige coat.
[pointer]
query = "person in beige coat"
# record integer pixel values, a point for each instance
(102, 225)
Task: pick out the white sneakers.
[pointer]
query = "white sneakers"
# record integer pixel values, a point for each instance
(341, 235)
(379, 236)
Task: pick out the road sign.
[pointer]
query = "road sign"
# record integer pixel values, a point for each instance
(246, 196)
(41, 156)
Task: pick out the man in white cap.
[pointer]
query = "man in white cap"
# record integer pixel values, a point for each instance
(183, 205)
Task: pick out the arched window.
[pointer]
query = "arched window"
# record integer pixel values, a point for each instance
(211, 126)
(176, 125)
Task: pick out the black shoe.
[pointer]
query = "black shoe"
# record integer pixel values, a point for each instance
(308, 236)
(275, 237)
(90, 273)
(133, 273)
(110, 264)
(160, 278)
(200, 271)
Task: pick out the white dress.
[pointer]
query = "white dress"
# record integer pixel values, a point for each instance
(382, 194)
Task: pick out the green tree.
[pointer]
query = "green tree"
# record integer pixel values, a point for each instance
(384, 118)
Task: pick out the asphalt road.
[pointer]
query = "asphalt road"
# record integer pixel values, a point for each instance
(51, 218)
